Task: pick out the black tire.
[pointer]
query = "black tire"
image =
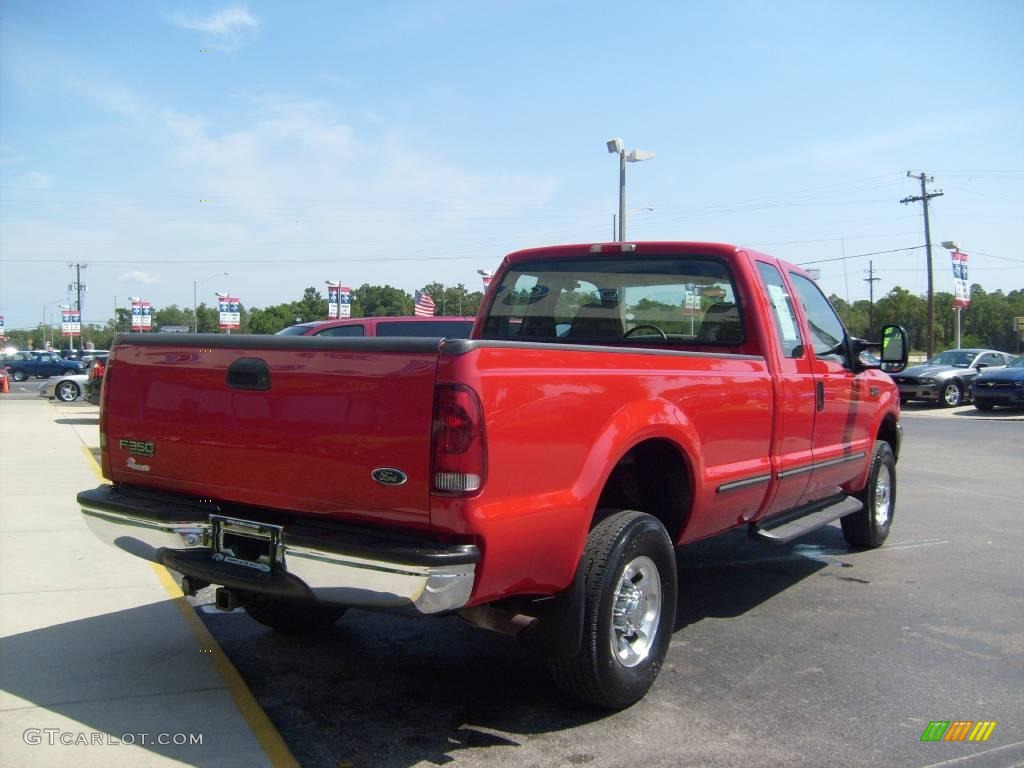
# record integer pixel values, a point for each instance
(293, 618)
(610, 671)
(69, 372)
(67, 392)
(869, 528)
(19, 375)
(983, 406)
(952, 394)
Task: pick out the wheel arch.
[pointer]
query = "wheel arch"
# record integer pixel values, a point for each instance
(655, 476)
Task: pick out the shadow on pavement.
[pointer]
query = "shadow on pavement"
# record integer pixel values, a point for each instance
(117, 673)
(79, 422)
(393, 692)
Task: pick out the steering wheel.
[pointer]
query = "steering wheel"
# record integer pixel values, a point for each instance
(636, 328)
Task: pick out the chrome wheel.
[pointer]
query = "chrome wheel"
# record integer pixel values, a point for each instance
(67, 391)
(636, 612)
(883, 504)
(952, 394)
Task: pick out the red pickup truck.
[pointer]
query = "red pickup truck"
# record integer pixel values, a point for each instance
(614, 401)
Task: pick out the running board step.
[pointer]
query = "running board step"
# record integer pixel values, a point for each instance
(786, 527)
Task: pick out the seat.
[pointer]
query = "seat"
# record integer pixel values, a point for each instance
(599, 321)
(721, 325)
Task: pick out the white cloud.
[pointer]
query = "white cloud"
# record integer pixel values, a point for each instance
(9, 156)
(37, 180)
(227, 30)
(140, 277)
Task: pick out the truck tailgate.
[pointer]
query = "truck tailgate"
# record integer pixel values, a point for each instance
(285, 422)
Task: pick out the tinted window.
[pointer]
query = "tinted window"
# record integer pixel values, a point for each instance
(680, 299)
(342, 330)
(827, 332)
(449, 329)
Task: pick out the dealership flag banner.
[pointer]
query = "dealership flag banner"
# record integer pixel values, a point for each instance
(339, 301)
(230, 311)
(142, 315)
(71, 322)
(961, 288)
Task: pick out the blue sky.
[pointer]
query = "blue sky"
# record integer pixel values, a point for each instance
(407, 142)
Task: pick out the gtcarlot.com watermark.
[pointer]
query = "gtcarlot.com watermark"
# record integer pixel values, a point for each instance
(58, 737)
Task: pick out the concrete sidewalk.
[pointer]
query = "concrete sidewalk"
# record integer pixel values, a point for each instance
(102, 662)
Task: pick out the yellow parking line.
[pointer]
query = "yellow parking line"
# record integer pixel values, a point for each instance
(262, 728)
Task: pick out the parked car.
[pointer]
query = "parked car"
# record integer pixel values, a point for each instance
(1004, 386)
(94, 384)
(22, 365)
(946, 377)
(67, 388)
(447, 327)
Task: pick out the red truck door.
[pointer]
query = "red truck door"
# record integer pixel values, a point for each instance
(841, 440)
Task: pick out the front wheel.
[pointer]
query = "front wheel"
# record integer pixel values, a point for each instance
(869, 528)
(952, 394)
(67, 391)
(19, 375)
(292, 618)
(629, 612)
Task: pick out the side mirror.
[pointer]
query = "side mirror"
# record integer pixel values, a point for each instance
(979, 366)
(894, 349)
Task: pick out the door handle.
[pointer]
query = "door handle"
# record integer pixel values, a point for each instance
(819, 392)
(249, 373)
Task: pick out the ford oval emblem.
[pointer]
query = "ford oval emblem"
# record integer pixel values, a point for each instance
(389, 476)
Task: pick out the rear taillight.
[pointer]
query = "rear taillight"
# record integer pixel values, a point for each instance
(96, 372)
(458, 441)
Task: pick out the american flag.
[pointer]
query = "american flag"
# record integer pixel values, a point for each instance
(424, 305)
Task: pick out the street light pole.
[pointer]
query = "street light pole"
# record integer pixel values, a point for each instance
(616, 146)
(195, 305)
(953, 245)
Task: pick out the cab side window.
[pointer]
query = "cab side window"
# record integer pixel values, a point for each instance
(786, 326)
(827, 332)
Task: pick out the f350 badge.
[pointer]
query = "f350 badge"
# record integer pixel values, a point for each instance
(389, 476)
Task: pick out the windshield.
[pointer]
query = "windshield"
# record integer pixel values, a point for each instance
(958, 358)
(294, 330)
(688, 299)
(1017, 362)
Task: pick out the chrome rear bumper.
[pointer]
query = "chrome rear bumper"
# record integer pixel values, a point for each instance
(331, 563)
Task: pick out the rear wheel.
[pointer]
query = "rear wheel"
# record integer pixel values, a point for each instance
(952, 394)
(630, 605)
(19, 375)
(294, 618)
(67, 391)
(869, 527)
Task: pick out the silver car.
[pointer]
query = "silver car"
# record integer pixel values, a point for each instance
(946, 377)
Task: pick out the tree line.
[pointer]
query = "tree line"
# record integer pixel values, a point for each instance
(987, 322)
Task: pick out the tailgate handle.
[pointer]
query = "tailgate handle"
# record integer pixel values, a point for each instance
(249, 373)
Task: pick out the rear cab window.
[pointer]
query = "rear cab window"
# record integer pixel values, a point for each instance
(677, 301)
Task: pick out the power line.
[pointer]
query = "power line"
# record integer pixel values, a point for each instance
(859, 255)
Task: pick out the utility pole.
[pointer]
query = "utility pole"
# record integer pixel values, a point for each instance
(924, 197)
(871, 280)
(78, 287)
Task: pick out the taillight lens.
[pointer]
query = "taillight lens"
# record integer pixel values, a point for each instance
(458, 441)
(97, 370)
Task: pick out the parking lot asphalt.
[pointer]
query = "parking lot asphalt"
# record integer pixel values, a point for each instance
(806, 654)
(101, 660)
